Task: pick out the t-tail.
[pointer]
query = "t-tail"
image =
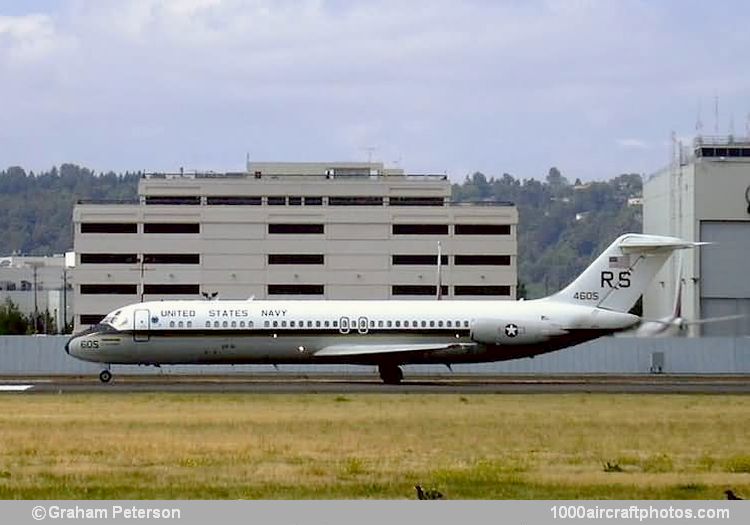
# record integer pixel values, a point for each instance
(620, 275)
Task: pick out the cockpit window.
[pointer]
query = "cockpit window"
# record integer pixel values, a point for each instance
(111, 318)
(100, 328)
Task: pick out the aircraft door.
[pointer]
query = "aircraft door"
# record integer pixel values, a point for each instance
(141, 325)
(344, 325)
(362, 325)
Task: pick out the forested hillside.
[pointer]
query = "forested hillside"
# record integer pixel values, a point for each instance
(36, 209)
(562, 226)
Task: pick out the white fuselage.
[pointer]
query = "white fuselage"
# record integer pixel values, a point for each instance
(362, 332)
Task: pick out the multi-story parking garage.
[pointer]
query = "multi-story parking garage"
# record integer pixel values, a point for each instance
(291, 230)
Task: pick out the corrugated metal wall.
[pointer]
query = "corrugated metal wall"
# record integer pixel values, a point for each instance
(725, 289)
(45, 355)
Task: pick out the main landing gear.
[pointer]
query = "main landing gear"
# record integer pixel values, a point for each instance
(105, 376)
(390, 374)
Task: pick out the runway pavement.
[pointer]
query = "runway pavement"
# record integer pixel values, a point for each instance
(273, 384)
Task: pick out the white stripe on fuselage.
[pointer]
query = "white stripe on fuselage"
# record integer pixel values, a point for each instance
(222, 315)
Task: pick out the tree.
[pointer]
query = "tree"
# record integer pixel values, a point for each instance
(555, 179)
(36, 210)
(12, 321)
(553, 246)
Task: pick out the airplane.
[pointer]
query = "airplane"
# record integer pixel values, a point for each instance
(384, 333)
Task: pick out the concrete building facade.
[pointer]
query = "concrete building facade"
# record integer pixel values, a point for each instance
(704, 195)
(291, 230)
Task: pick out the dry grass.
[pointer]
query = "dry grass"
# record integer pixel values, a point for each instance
(372, 446)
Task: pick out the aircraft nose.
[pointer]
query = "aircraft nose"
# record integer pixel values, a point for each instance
(73, 346)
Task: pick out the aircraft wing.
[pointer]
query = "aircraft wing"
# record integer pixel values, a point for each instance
(355, 350)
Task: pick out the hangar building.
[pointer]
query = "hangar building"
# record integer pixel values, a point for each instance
(704, 195)
(291, 230)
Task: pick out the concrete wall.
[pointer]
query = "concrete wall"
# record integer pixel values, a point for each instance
(45, 355)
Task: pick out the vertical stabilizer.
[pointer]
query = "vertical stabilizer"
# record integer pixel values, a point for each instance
(618, 277)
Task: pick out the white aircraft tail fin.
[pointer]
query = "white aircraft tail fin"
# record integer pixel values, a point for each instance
(618, 277)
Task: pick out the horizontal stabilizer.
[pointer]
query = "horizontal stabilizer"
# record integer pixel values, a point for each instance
(722, 319)
(354, 350)
(653, 245)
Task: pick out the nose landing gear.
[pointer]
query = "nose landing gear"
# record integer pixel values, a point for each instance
(390, 374)
(105, 376)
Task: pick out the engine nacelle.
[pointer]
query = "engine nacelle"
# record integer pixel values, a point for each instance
(501, 332)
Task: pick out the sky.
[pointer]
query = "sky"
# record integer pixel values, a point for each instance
(593, 87)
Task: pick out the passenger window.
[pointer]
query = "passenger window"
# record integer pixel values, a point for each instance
(266, 324)
(224, 324)
(249, 324)
(317, 324)
(432, 324)
(242, 324)
(372, 324)
(424, 324)
(234, 324)
(440, 324)
(466, 324)
(181, 324)
(380, 324)
(208, 324)
(398, 324)
(326, 324)
(449, 324)
(190, 324)
(216, 324)
(390, 324)
(275, 324)
(291, 324)
(171, 324)
(283, 324)
(335, 324)
(309, 324)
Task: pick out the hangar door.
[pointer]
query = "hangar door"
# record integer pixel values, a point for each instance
(724, 284)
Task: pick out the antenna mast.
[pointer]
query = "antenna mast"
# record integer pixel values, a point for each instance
(698, 120)
(369, 150)
(716, 114)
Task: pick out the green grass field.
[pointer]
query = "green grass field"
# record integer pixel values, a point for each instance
(124, 446)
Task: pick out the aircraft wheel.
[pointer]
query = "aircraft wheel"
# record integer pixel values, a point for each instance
(391, 375)
(105, 376)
